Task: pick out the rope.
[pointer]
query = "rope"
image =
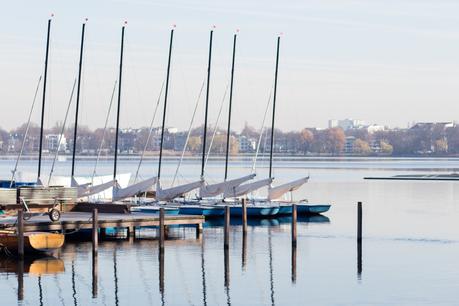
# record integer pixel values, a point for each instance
(25, 134)
(99, 151)
(150, 132)
(62, 132)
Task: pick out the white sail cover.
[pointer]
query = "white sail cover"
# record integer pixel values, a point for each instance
(219, 188)
(122, 193)
(242, 190)
(98, 184)
(278, 191)
(87, 189)
(174, 192)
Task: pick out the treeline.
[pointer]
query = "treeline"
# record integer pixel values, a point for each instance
(428, 139)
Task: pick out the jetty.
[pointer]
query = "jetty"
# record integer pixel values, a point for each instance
(417, 177)
(74, 221)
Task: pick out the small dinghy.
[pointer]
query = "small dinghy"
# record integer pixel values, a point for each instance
(34, 242)
(308, 209)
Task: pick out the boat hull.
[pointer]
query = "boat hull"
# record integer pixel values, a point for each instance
(255, 211)
(307, 209)
(201, 211)
(155, 210)
(33, 241)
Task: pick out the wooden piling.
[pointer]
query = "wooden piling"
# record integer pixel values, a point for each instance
(244, 215)
(161, 229)
(227, 227)
(294, 219)
(20, 233)
(20, 279)
(95, 230)
(95, 274)
(198, 230)
(359, 240)
(359, 221)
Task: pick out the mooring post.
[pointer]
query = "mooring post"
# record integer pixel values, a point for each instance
(95, 230)
(161, 229)
(359, 239)
(95, 274)
(20, 280)
(227, 226)
(20, 233)
(294, 217)
(359, 221)
(244, 216)
(198, 230)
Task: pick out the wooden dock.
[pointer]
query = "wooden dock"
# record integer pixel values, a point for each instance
(83, 220)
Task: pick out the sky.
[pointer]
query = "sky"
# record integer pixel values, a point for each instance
(386, 62)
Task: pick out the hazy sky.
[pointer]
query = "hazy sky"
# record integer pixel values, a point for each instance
(387, 62)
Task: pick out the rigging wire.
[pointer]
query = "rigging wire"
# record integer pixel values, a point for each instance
(189, 131)
(62, 131)
(150, 132)
(254, 164)
(99, 151)
(216, 125)
(24, 138)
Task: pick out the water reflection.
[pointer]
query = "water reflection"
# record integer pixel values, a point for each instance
(103, 283)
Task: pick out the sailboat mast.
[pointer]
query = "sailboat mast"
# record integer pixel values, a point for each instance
(274, 111)
(75, 129)
(207, 106)
(165, 103)
(119, 102)
(230, 105)
(44, 101)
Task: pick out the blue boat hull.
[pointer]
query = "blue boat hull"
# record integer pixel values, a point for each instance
(202, 211)
(285, 209)
(254, 211)
(304, 209)
(155, 210)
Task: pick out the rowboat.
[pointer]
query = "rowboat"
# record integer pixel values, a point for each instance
(33, 241)
(305, 209)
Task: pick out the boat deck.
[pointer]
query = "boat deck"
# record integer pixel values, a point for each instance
(83, 220)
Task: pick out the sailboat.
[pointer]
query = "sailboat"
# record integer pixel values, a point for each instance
(86, 189)
(276, 192)
(120, 193)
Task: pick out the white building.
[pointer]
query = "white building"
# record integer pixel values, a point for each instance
(52, 142)
(246, 144)
(346, 124)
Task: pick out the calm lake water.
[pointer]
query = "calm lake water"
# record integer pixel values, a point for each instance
(409, 251)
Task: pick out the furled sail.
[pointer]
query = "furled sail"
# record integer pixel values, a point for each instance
(278, 191)
(242, 190)
(174, 192)
(132, 190)
(86, 190)
(213, 190)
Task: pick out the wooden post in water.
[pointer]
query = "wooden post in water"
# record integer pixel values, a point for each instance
(198, 230)
(227, 226)
(359, 239)
(359, 221)
(244, 216)
(294, 217)
(161, 229)
(20, 233)
(20, 280)
(95, 229)
(95, 274)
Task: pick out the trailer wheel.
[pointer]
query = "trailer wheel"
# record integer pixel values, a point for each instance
(54, 215)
